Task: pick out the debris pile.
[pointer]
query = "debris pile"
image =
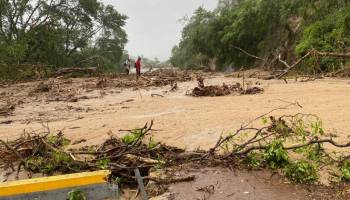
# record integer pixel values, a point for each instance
(75, 89)
(250, 73)
(43, 87)
(56, 90)
(223, 90)
(48, 154)
(156, 78)
(343, 73)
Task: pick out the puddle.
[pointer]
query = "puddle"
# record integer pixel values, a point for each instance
(218, 183)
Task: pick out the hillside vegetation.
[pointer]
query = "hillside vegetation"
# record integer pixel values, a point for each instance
(265, 28)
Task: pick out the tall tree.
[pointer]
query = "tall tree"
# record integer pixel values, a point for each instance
(60, 33)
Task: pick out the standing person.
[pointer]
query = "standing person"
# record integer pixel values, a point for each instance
(127, 64)
(138, 66)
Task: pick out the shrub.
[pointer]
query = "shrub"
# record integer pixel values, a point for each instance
(301, 172)
(132, 137)
(345, 171)
(275, 155)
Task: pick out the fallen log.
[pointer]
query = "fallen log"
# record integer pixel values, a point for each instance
(332, 54)
(87, 70)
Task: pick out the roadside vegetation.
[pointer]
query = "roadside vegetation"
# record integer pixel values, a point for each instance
(236, 30)
(37, 37)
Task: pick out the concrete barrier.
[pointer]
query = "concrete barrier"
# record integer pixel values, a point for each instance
(93, 185)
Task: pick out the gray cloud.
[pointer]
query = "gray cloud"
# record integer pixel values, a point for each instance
(153, 27)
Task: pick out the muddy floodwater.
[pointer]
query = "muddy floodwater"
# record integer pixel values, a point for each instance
(180, 120)
(217, 183)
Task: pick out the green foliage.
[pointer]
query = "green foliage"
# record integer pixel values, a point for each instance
(317, 128)
(49, 165)
(103, 164)
(52, 158)
(301, 172)
(132, 137)
(254, 160)
(58, 159)
(345, 171)
(329, 34)
(260, 27)
(275, 155)
(161, 163)
(129, 139)
(152, 144)
(76, 195)
(57, 140)
(264, 120)
(198, 41)
(34, 162)
(312, 152)
(79, 33)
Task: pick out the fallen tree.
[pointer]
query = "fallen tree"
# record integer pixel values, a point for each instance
(312, 52)
(290, 67)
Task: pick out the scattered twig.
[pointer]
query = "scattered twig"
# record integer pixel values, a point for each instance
(171, 180)
(157, 95)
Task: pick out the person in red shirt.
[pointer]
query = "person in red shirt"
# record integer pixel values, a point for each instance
(138, 66)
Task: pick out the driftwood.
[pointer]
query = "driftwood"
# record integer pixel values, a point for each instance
(88, 70)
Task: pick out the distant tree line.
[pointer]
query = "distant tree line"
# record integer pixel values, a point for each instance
(51, 34)
(265, 28)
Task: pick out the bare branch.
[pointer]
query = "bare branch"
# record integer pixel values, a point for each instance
(249, 54)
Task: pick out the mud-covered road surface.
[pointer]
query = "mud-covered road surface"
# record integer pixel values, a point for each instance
(180, 120)
(94, 113)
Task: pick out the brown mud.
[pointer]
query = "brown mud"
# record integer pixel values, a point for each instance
(90, 109)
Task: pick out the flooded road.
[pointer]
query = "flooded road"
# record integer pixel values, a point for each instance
(180, 120)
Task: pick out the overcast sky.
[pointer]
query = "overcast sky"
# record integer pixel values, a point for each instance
(153, 27)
